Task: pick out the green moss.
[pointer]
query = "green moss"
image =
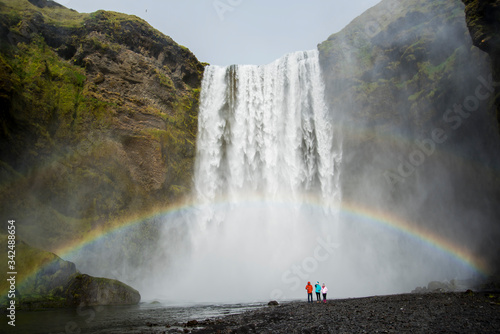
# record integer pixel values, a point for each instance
(368, 88)
(156, 134)
(102, 46)
(434, 72)
(115, 23)
(164, 79)
(59, 17)
(365, 55)
(415, 97)
(54, 99)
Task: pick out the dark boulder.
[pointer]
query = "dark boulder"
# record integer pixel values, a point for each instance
(89, 291)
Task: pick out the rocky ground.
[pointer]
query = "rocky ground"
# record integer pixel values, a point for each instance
(467, 312)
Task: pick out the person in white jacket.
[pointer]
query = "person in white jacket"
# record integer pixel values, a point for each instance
(324, 290)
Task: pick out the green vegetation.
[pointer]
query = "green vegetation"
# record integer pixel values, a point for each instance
(164, 79)
(117, 22)
(18, 10)
(55, 89)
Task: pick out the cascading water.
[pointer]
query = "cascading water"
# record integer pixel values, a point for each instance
(266, 182)
(265, 131)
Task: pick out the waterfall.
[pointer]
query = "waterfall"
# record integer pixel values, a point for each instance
(265, 131)
(266, 184)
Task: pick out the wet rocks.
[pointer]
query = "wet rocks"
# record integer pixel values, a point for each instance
(192, 323)
(436, 286)
(455, 285)
(410, 313)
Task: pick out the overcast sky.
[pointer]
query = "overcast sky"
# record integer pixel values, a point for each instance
(224, 32)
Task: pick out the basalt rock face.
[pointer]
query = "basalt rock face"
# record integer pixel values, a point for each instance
(98, 119)
(483, 21)
(413, 96)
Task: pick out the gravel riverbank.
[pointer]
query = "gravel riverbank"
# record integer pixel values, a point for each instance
(467, 312)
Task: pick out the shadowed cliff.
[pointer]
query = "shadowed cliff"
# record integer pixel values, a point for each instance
(483, 21)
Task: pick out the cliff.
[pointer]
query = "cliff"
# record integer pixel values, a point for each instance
(414, 98)
(98, 119)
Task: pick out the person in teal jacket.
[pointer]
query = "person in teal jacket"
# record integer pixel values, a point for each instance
(317, 288)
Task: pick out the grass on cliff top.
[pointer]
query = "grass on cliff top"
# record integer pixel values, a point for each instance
(68, 18)
(58, 16)
(119, 21)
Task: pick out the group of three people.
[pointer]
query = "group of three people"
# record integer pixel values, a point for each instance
(318, 289)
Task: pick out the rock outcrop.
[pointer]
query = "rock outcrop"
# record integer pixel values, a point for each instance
(44, 280)
(91, 291)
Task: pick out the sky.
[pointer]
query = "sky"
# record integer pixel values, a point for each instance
(225, 32)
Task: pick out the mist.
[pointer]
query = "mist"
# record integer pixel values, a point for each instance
(322, 165)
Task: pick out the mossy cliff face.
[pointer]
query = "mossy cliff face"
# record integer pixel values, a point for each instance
(483, 20)
(98, 119)
(413, 98)
(398, 62)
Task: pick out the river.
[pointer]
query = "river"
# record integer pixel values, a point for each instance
(145, 317)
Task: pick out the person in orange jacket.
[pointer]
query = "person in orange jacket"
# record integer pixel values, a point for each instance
(309, 289)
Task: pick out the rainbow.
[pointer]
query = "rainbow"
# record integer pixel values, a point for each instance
(348, 209)
(425, 236)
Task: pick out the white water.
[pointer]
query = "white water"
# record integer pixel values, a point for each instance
(265, 131)
(267, 185)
